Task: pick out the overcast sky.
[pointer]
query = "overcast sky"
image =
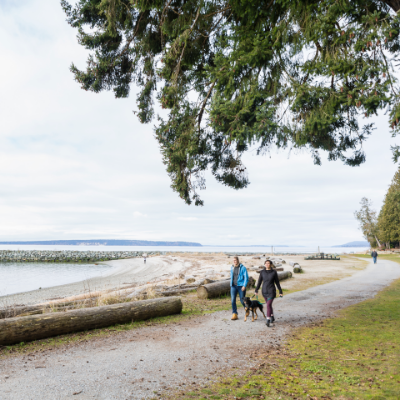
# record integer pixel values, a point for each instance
(78, 165)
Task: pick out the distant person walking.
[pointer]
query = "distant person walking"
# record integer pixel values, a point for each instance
(144, 259)
(374, 256)
(239, 280)
(269, 277)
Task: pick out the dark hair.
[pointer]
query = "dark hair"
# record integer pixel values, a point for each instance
(271, 263)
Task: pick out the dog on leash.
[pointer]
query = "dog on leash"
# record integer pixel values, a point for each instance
(252, 306)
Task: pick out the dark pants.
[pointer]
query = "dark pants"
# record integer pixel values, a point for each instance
(374, 258)
(270, 310)
(234, 291)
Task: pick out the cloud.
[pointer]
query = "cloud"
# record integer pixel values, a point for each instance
(138, 214)
(79, 165)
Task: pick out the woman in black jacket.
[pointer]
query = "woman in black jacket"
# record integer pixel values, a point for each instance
(269, 277)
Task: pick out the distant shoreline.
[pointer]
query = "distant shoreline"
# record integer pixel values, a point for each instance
(102, 242)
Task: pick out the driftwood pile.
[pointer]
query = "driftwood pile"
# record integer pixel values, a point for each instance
(296, 267)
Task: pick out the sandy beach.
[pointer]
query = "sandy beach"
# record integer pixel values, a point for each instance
(129, 274)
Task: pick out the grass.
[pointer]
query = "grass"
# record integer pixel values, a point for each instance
(353, 356)
(390, 257)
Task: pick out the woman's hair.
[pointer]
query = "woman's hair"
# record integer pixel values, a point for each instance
(269, 261)
(236, 258)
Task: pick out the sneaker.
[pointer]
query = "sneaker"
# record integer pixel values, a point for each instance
(268, 322)
(234, 317)
(272, 318)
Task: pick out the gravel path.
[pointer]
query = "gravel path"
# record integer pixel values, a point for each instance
(124, 273)
(133, 364)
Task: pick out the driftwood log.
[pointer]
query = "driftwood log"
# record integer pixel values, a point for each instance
(219, 288)
(223, 287)
(284, 275)
(24, 329)
(177, 291)
(39, 308)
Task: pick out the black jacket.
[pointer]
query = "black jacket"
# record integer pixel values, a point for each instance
(269, 279)
(374, 254)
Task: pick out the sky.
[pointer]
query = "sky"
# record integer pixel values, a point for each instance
(79, 165)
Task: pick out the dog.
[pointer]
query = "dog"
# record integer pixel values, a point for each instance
(252, 305)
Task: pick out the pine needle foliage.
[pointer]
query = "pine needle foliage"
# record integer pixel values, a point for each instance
(389, 216)
(232, 74)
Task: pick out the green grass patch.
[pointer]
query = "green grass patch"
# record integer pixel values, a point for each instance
(353, 356)
(390, 257)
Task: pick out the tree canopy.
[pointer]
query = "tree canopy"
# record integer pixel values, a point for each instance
(389, 216)
(232, 74)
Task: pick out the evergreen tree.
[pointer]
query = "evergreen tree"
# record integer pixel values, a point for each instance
(367, 218)
(237, 73)
(389, 216)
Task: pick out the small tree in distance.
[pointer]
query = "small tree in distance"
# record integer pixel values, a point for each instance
(368, 220)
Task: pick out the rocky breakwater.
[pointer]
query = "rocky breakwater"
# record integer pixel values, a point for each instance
(69, 255)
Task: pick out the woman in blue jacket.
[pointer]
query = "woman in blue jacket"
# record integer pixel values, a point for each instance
(239, 280)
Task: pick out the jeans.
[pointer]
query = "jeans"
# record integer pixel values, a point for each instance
(234, 291)
(374, 260)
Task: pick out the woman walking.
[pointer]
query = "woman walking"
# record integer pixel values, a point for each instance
(269, 277)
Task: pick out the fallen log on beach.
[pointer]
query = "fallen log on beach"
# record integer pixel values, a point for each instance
(14, 311)
(41, 308)
(25, 329)
(177, 292)
(219, 288)
(284, 275)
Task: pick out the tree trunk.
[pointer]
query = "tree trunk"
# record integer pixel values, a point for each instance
(212, 290)
(24, 329)
(377, 241)
(284, 275)
(220, 288)
(394, 4)
(177, 292)
(11, 311)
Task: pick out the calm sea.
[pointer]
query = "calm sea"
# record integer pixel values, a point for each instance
(21, 277)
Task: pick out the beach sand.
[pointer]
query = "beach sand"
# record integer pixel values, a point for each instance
(128, 274)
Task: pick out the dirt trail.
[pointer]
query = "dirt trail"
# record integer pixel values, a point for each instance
(135, 364)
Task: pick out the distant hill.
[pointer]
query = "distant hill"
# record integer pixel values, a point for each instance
(246, 245)
(103, 242)
(354, 244)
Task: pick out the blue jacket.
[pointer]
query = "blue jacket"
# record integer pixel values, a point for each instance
(243, 277)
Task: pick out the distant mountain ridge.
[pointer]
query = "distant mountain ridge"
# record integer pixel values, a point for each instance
(354, 244)
(103, 242)
(247, 245)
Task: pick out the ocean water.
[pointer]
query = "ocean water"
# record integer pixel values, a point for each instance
(199, 249)
(23, 277)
